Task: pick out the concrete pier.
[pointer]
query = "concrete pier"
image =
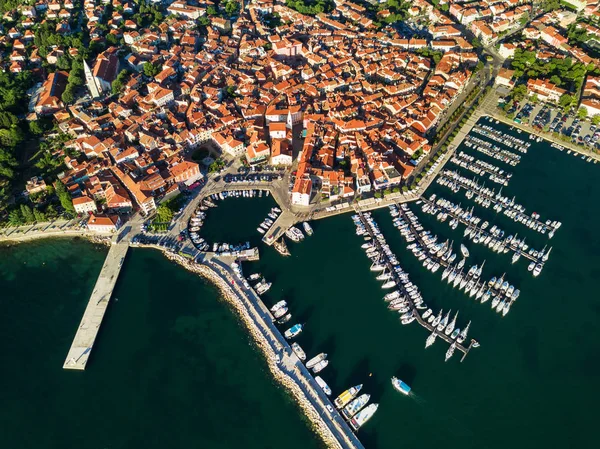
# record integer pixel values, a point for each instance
(288, 363)
(87, 331)
(284, 222)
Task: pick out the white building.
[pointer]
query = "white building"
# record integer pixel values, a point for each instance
(104, 223)
(301, 192)
(84, 204)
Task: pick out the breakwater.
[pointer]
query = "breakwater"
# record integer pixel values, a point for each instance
(282, 362)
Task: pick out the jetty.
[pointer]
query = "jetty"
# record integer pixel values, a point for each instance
(400, 286)
(87, 331)
(421, 241)
(284, 221)
(484, 233)
(453, 180)
(288, 364)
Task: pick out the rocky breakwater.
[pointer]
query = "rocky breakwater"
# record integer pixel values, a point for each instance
(282, 363)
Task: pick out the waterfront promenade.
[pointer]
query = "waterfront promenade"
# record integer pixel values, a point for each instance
(89, 327)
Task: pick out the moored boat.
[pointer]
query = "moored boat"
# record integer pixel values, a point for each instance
(450, 351)
(298, 351)
(355, 405)
(293, 331)
(323, 385)
(363, 416)
(320, 366)
(464, 251)
(316, 359)
(307, 228)
(347, 396)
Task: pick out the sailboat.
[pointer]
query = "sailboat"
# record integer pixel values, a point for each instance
(450, 351)
(444, 322)
(463, 335)
(431, 339)
(437, 319)
(464, 251)
(451, 326)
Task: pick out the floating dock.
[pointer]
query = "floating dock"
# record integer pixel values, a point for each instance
(400, 286)
(484, 233)
(87, 331)
(434, 257)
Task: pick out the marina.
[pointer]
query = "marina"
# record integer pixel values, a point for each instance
(513, 354)
(408, 294)
(436, 255)
(468, 162)
(494, 237)
(485, 197)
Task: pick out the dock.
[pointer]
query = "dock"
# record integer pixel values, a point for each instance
(87, 331)
(288, 362)
(459, 180)
(440, 260)
(484, 233)
(421, 321)
(284, 221)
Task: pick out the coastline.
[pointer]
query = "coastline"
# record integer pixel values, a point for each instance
(226, 292)
(103, 239)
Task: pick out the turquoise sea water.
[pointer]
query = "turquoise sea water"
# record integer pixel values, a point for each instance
(172, 368)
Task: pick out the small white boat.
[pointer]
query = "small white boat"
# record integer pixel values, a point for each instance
(307, 228)
(464, 251)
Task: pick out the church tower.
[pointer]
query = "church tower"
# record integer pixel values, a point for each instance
(91, 81)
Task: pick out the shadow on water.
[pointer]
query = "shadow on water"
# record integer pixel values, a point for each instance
(359, 374)
(407, 373)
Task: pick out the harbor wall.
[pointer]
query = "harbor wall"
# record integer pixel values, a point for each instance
(272, 345)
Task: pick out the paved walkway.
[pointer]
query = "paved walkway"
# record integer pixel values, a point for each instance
(289, 363)
(83, 342)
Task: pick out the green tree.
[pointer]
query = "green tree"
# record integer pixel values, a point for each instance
(204, 21)
(27, 213)
(596, 119)
(565, 101)
(65, 198)
(63, 62)
(232, 8)
(36, 128)
(8, 119)
(68, 96)
(151, 70)
(15, 218)
(211, 10)
(112, 40)
(51, 212)
(39, 215)
(582, 112)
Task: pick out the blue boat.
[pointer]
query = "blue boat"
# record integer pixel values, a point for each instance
(400, 386)
(293, 331)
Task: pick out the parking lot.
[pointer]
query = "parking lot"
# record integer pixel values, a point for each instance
(252, 177)
(550, 118)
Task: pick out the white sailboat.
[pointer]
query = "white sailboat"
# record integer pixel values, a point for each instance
(464, 251)
(451, 326)
(431, 339)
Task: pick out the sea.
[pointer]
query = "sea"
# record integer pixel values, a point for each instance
(172, 366)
